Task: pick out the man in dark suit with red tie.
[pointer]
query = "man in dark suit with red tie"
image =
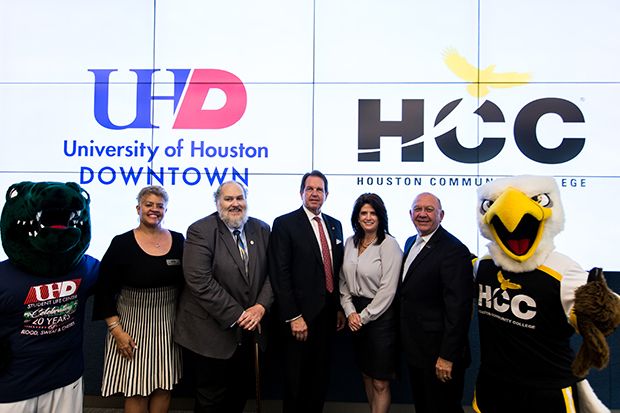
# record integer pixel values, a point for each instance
(436, 308)
(305, 255)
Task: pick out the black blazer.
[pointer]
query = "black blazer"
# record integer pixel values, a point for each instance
(437, 302)
(296, 266)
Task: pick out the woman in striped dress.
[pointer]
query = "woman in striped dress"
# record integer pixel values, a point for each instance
(139, 282)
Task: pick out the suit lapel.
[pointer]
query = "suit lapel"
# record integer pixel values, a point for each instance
(424, 252)
(331, 230)
(408, 246)
(231, 245)
(308, 232)
(251, 248)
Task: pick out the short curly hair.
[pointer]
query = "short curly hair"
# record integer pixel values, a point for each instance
(152, 190)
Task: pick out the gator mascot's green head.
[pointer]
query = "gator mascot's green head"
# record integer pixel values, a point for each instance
(45, 226)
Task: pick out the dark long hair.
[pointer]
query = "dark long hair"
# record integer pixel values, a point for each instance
(376, 202)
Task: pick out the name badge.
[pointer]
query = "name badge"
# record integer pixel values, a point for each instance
(173, 262)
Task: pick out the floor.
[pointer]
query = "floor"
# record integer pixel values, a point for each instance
(114, 405)
(97, 404)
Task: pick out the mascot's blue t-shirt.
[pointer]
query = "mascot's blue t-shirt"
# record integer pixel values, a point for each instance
(43, 315)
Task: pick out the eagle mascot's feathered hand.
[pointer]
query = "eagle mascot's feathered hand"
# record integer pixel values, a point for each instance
(521, 216)
(597, 310)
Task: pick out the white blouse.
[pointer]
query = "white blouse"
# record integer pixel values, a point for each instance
(374, 274)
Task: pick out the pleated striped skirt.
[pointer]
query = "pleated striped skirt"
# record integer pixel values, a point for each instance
(147, 315)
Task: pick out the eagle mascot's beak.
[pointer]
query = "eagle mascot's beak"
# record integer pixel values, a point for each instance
(517, 222)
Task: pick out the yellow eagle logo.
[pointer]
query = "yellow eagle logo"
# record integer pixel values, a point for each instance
(482, 80)
(506, 284)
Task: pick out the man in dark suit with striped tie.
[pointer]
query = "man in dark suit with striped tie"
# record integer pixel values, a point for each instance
(226, 295)
(305, 256)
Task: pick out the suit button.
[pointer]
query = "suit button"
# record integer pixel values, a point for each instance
(247, 293)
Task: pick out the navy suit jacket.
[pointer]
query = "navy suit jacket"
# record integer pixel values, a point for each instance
(436, 299)
(296, 266)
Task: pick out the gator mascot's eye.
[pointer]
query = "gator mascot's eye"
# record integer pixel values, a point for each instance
(45, 226)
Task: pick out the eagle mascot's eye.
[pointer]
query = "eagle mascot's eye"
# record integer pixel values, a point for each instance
(543, 199)
(486, 204)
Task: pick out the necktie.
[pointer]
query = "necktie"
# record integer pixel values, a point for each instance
(415, 250)
(327, 261)
(244, 254)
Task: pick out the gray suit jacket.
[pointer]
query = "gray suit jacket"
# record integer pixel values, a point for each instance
(217, 290)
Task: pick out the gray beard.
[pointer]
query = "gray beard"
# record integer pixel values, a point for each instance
(234, 223)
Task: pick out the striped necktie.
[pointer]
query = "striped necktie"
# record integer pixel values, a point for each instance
(244, 254)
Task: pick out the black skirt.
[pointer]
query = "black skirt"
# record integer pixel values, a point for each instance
(375, 344)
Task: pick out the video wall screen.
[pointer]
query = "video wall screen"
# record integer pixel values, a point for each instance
(392, 97)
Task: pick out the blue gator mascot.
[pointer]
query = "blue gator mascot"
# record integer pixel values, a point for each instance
(531, 299)
(45, 228)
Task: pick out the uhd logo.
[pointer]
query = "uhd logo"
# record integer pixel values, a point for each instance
(190, 114)
(47, 292)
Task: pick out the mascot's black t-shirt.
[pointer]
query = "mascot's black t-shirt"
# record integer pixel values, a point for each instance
(524, 321)
(43, 315)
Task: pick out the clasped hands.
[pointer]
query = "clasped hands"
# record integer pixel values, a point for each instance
(251, 318)
(355, 322)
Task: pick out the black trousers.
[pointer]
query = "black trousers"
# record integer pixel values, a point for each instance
(431, 395)
(496, 395)
(223, 385)
(307, 364)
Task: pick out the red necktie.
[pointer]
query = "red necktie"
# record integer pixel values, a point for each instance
(327, 261)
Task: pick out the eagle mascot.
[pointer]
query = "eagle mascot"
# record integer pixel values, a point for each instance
(531, 299)
(45, 229)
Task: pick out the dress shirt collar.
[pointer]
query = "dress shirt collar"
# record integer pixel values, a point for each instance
(427, 236)
(231, 229)
(241, 230)
(241, 234)
(311, 214)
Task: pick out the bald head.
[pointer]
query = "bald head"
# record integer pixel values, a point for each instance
(426, 213)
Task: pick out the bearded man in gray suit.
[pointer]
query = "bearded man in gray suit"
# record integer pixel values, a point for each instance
(226, 295)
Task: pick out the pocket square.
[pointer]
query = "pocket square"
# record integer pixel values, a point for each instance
(338, 241)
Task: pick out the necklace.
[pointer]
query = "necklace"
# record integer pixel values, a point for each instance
(153, 239)
(157, 244)
(366, 244)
